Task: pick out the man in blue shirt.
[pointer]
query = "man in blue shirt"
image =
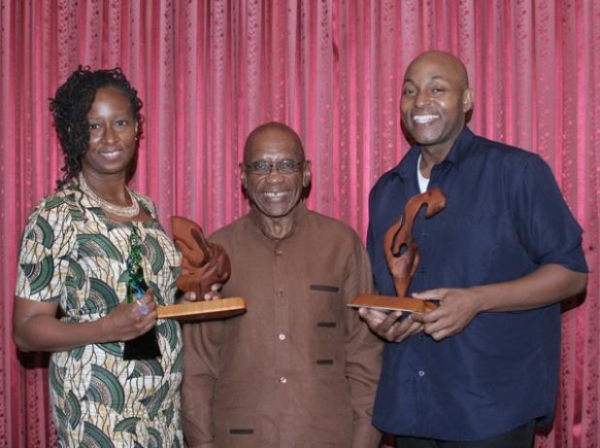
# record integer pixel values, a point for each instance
(481, 370)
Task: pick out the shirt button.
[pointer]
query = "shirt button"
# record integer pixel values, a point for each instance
(278, 253)
(281, 337)
(282, 379)
(421, 373)
(279, 293)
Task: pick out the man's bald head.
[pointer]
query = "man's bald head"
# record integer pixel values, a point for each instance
(450, 65)
(273, 128)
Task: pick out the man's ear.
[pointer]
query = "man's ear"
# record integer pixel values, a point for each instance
(306, 174)
(468, 99)
(243, 178)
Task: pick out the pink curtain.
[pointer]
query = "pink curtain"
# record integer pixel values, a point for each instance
(210, 70)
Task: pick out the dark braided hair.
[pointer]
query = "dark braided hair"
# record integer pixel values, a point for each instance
(70, 106)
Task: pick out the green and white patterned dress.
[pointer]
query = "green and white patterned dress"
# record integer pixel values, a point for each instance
(73, 255)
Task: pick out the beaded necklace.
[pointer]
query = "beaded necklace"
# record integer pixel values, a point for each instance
(127, 212)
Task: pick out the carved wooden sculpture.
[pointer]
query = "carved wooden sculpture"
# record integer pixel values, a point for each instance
(402, 255)
(203, 265)
(401, 250)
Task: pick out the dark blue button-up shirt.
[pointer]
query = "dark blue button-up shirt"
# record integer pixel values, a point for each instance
(505, 217)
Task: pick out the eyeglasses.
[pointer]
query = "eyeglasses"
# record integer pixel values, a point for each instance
(263, 168)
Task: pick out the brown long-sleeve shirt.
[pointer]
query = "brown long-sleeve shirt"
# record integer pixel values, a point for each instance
(299, 369)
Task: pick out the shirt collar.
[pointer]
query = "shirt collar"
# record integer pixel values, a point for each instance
(460, 149)
(406, 168)
(300, 214)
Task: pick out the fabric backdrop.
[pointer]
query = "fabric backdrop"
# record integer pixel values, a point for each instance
(209, 71)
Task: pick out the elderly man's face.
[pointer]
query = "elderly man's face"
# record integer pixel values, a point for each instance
(274, 172)
(435, 98)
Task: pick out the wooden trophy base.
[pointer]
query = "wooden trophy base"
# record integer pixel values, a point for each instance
(392, 303)
(204, 309)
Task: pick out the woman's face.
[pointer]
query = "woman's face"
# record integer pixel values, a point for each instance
(113, 131)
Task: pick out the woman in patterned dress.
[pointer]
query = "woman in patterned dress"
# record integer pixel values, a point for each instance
(73, 272)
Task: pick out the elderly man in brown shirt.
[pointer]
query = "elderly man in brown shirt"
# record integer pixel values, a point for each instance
(299, 369)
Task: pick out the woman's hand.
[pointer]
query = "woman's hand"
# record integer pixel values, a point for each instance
(130, 320)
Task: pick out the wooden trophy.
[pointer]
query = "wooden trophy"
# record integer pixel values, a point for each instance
(402, 255)
(203, 265)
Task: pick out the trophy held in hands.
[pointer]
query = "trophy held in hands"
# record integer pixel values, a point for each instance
(402, 255)
(204, 264)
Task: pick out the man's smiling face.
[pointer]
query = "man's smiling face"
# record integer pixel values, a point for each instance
(275, 194)
(435, 99)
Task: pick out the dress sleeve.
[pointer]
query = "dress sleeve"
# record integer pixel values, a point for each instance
(48, 242)
(363, 352)
(201, 360)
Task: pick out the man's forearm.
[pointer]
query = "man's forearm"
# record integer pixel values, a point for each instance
(548, 285)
